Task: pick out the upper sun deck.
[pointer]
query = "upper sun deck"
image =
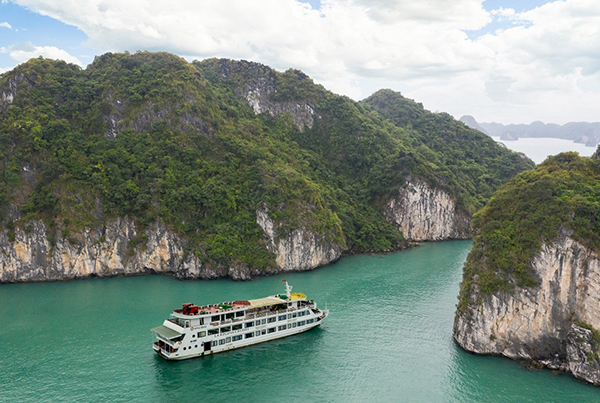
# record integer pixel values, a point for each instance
(190, 310)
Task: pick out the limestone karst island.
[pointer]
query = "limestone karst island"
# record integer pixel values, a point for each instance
(531, 285)
(147, 163)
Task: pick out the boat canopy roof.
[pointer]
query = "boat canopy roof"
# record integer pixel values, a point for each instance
(166, 332)
(297, 295)
(268, 301)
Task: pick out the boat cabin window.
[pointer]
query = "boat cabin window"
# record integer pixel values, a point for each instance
(282, 327)
(249, 324)
(264, 322)
(282, 317)
(236, 338)
(310, 321)
(215, 318)
(237, 327)
(272, 319)
(248, 335)
(214, 343)
(226, 329)
(301, 323)
(228, 340)
(239, 313)
(201, 334)
(222, 341)
(271, 330)
(213, 331)
(229, 315)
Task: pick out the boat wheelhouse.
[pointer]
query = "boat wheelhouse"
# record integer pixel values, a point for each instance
(195, 331)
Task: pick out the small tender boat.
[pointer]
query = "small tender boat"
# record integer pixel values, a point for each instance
(195, 331)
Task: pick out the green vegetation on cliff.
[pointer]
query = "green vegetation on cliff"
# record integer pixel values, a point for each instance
(561, 193)
(153, 137)
(471, 164)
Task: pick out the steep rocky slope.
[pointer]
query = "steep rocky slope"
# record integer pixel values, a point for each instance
(532, 281)
(472, 167)
(424, 213)
(144, 162)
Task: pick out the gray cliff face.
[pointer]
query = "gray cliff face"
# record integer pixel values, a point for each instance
(259, 95)
(423, 213)
(9, 93)
(98, 252)
(541, 324)
(148, 116)
(114, 118)
(108, 251)
(299, 250)
(583, 360)
(259, 92)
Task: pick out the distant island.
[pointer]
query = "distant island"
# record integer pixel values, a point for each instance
(580, 132)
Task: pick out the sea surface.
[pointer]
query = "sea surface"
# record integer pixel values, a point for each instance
(539, 148)
(388, 339)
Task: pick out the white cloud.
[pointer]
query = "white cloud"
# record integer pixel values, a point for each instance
(5, 25)
(503, 12)
(540, 67)
(22, 52)
(337, 44)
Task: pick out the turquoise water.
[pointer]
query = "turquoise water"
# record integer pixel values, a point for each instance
(388, 339)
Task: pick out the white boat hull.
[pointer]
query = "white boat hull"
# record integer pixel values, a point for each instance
(192, 351)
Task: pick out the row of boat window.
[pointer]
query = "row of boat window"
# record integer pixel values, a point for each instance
(239, 337)
(217, 318)
(238, 326)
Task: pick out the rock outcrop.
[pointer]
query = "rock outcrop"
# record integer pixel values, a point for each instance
(9, 92)
(120, 248)
(259, 96)
(546, 324)
(101, 252)
(261, 88)
(298, 250)
(425, 213)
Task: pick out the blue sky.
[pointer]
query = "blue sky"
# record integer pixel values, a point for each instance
(30, 28)
(499, 60)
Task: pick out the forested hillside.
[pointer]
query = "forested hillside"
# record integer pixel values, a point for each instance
(470, 163)
(153, 138)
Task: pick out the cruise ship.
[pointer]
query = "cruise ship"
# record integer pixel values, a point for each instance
(196, 331)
